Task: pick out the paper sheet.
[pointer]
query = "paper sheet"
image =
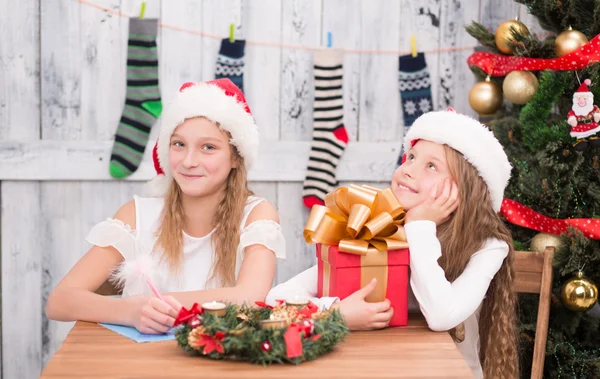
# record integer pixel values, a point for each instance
(132, 333)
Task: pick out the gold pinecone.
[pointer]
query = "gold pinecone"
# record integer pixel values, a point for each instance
(321, 315)
(290, 314)
(194, 337)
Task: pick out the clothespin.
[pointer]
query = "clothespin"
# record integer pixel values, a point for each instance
(231, 32)
(143, 9)
(413, 46)
(329, 40)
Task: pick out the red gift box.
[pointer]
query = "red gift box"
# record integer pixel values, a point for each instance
(360, 236)
(341, 274)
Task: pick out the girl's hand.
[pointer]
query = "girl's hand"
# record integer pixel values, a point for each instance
(360, 315)
(150, 315)
(436, 209)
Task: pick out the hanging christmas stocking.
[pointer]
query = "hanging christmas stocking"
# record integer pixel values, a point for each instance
(142, 100)
(230, 62)
(329, 137)
(415, 89)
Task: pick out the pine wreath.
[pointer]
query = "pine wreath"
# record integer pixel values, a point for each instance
(299, 334)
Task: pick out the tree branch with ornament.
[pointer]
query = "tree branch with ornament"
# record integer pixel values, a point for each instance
(539, 95)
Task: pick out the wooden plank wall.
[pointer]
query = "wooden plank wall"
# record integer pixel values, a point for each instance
(62, 85)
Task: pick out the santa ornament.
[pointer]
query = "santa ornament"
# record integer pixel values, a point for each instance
(584, 118)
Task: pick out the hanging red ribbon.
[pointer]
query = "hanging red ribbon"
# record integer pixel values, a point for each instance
(293, 343)
(518, 214)
(500, 65)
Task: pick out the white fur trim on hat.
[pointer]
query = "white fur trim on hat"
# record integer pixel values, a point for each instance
(473, 140)
(210, 101)
(159, 185)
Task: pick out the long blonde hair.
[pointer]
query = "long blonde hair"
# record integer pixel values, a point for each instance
(473, 222)
(226, 223)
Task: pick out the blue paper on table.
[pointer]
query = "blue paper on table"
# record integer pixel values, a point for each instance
(132, 333)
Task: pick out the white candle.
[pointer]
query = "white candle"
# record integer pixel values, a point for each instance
(272, 323)
(297, 301)
(215, 308)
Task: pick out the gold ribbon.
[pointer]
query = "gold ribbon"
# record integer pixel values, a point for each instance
(360, 220)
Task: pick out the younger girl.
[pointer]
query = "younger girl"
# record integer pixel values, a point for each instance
(204, 235)
(451, 183)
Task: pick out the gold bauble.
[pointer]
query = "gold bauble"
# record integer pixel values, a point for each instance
(569, 41)
(542, 240)
(520, 86)
(485, 97)
(504, 35)
(579, 294)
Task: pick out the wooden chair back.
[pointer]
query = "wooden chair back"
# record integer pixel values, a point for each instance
(533, 271)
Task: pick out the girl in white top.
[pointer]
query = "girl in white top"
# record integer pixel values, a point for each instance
(202, 237)
(451, 183)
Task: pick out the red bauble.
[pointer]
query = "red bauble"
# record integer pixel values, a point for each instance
(195, 322)
(266, 346)
(308, 327)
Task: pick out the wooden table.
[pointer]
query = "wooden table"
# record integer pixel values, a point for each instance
(407, 352)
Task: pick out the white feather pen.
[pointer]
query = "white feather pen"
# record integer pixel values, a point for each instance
(136, 273)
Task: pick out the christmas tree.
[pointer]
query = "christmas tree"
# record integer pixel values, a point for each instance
(548, 125)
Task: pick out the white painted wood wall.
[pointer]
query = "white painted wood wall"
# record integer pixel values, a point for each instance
(62, 88)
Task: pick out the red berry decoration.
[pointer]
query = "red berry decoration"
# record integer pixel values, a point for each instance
(266, 346)
(308, 327)
(195, 322)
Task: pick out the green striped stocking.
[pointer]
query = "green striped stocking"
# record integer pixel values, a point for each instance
(142, 101)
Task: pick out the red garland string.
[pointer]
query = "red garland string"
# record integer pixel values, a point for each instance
(501, 65)
(293, 343)
(521, 215)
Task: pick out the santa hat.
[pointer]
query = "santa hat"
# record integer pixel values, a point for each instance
(220, 101)
(583, 90)
(473, 140)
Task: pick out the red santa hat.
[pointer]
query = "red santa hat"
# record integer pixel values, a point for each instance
(583, 90)
(473, 140)
(220, 101)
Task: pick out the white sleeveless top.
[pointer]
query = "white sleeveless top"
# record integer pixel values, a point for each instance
(198, 254)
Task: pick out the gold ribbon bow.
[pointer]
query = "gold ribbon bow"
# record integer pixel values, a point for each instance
(359, 220)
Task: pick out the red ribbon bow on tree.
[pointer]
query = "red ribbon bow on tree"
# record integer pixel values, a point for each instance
(501, 65)
(521, 215)
(186, 315)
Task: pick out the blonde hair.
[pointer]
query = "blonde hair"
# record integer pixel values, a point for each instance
(226, 223)
(497, 320)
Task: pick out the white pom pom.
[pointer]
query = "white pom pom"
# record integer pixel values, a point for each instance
(158, 186)
(134, 273)
(587, 82)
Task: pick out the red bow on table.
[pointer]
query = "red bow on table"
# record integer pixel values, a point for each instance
(292, 336)
(262, 304)
(521, 215)
(308, 310)
(186, 315)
